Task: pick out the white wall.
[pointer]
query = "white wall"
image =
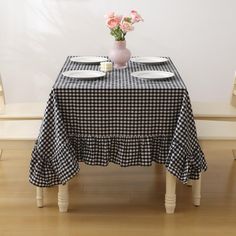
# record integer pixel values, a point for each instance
(37, 35)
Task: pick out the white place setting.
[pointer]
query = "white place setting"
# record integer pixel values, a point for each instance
(84, 74)
(149, 60)
(152, 75)
(89, 59)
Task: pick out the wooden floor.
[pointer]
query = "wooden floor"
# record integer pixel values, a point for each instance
(118, 201)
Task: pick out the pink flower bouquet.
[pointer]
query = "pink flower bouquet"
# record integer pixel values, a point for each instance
(121, 25)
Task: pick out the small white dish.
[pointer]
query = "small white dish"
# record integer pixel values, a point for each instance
(149, 60)
(89, 60)
(84, 74)
(152, 74)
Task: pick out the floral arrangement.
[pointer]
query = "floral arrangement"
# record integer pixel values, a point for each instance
(121, 25)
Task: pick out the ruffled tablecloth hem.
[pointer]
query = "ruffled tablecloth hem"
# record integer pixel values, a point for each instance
(182, 162)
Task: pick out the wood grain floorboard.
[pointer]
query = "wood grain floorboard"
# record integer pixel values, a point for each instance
(118, 201)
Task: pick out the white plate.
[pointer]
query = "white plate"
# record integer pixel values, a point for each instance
(149, 60)
(153, 74)
(89, 60)
(84, 74)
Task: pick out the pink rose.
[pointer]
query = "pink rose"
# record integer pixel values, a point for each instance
(135, 16)
(113, 22)
(126, 26)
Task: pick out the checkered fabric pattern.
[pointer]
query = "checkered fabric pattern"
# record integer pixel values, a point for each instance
(119, 119)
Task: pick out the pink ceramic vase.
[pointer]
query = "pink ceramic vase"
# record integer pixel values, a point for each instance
(119, 54)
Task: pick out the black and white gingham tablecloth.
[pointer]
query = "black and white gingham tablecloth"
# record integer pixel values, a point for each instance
(119, 119)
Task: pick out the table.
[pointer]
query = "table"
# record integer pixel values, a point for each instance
(119, 119)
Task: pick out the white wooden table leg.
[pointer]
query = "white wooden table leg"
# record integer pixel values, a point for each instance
(196, 192)
(234, 153)
(39, 196)
(63, 197)
(190, 183)
(170, 197)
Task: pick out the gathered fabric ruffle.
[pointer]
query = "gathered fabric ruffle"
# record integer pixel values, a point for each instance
(124, 151)
(54, 170)
(184, 164)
